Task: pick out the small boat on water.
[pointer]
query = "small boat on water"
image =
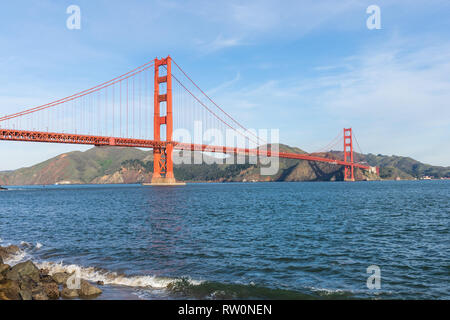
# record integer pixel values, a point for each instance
(1, 188)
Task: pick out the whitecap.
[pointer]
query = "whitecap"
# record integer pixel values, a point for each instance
(112, 278)
(329, 291)
(25, 244)
(16, 258)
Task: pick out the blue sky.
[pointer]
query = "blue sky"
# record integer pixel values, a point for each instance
(309, 68)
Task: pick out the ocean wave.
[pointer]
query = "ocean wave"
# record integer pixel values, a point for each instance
(150, 286)
(331, 292)
(111, 278)
(349, 294)
(94, 274)
(225, 291)
(16, 258)
(25, 244)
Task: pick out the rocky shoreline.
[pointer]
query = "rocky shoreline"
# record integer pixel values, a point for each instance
(25, 281)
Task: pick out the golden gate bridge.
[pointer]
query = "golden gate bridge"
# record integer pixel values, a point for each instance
(127, 112)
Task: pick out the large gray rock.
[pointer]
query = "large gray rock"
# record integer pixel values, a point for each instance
(23, 271)
(61, 277)
(4, 268)
(9, 290)
(26, 294)
(67, 293)
(51, 290)
(27, 285)
(39, 294)
(47, 279)
(88, 290)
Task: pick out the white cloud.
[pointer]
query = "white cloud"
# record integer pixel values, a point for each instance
(221, 43)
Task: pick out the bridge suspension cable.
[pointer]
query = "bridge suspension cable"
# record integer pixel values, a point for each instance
(208, 109)
(327, 146)
(81, 93)
(356, 140)
(215, 104)
(94, 111)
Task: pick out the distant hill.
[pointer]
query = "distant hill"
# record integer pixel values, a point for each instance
(74, 167)
(405, 167)
(393, 167)
(101, 165)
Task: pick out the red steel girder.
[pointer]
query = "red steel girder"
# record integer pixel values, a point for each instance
(257, 152)
(53, 137)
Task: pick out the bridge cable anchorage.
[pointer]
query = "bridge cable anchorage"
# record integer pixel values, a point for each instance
(228, 115)
(81, 93)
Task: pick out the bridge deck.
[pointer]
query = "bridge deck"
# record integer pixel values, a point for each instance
(52, 137)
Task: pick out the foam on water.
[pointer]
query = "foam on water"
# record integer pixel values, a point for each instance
(111, 278)
(14, 259)
(94, 274)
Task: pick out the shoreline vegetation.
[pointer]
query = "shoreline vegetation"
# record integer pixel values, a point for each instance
(25, 281)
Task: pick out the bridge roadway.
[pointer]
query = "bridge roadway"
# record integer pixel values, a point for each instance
(52, 137)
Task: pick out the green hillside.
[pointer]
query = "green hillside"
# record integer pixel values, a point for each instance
(405, 167)
(76, 167)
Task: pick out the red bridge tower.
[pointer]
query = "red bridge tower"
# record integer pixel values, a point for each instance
(162, 156)
(348, 155)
